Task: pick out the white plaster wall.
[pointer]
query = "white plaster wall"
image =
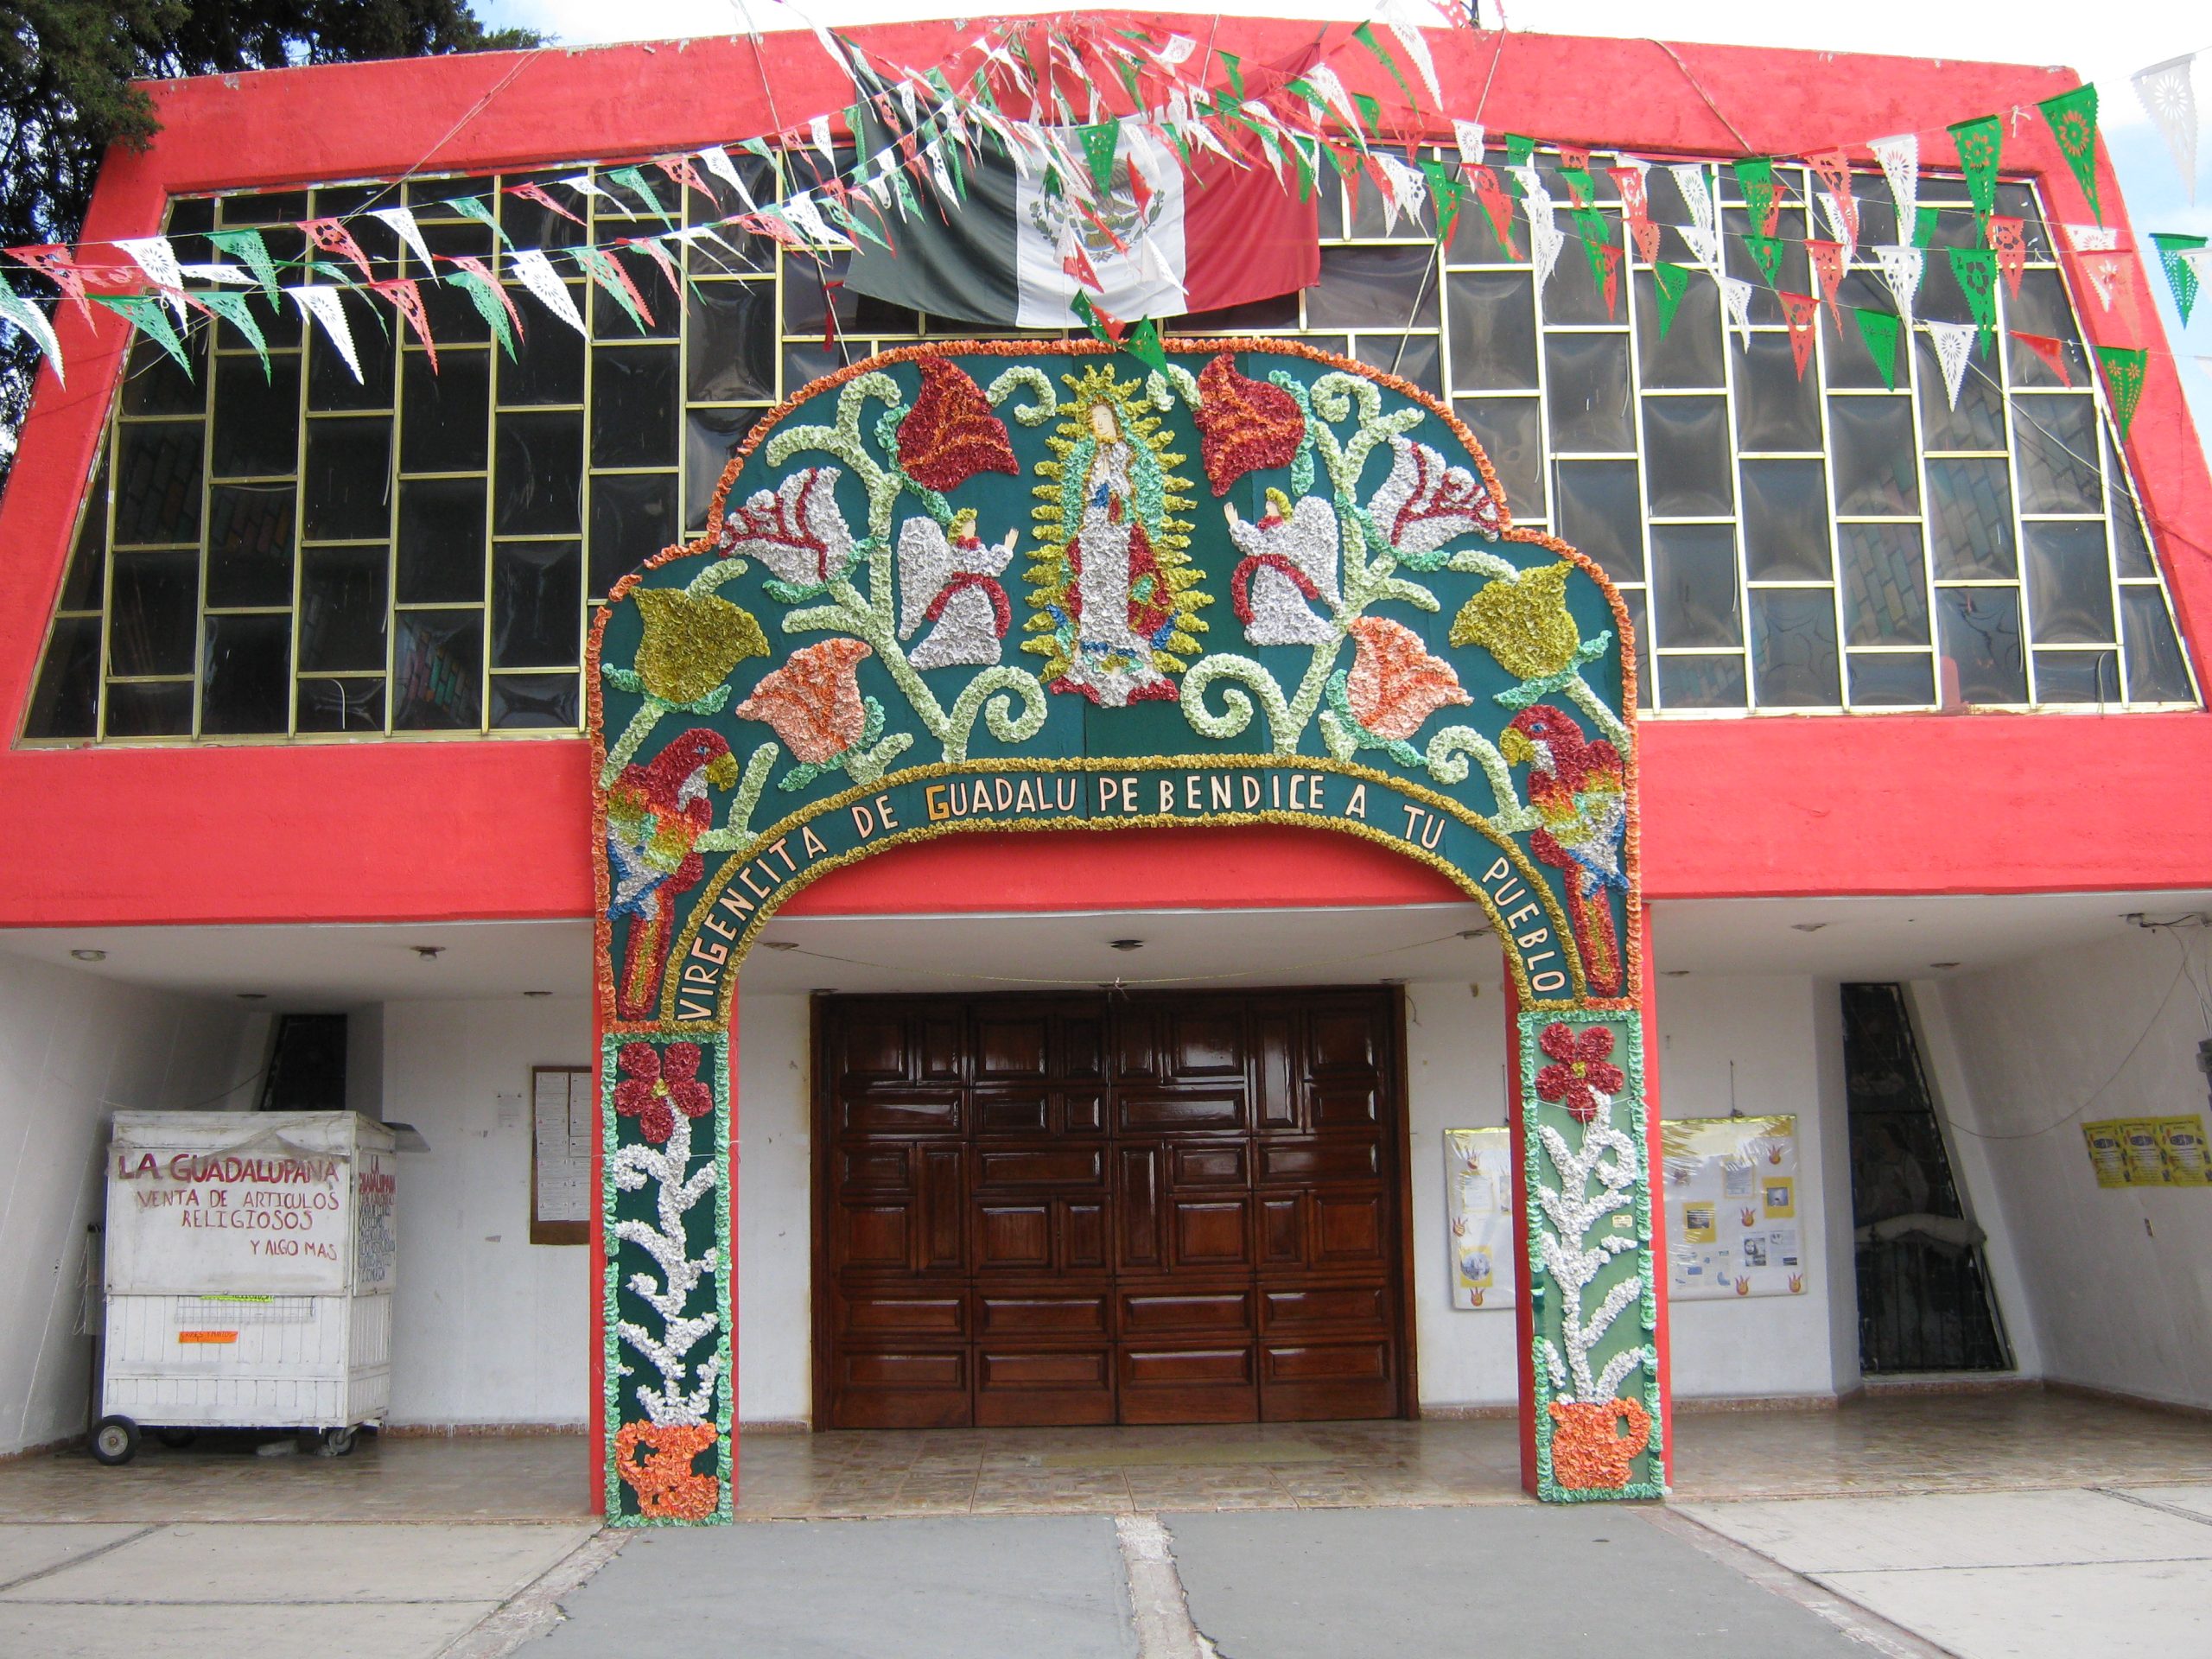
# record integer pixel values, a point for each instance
(76, 1047)
(488, 1327)
(2119, 1279)
(1783, 1037)
(775, 1237)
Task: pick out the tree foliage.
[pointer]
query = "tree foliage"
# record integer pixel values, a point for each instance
(67, 92)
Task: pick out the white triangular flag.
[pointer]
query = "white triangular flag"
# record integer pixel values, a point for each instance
(1953, 345)
(1326, 81)
(1175, 50)
(2199, 260)
(818, 130)
(2093, 239)
(27, 316)
(1900, 159)
(1736, 295)
(1469, 134)
(802, 212)
(153, 255)
(1705, 243)
(584, 184)
(1544, 237)
(225, 276)
(540, 278)
(1417, 48)
(1410, 188)
(1902, 269)
(402, 220)
(2171, 98)
(723, 166)
(1689, 178)
(321, 301)
(1842, 229)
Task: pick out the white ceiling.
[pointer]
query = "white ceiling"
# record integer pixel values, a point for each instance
(337, 967)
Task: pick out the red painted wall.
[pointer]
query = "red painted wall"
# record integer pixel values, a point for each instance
(418, 830)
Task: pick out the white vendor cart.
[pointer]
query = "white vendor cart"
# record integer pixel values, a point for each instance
(250, 1264)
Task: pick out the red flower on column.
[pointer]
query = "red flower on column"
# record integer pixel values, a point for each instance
(657, 1084)
(1582, 1071)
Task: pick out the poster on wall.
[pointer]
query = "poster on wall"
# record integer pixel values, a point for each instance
(1732, 1222)
(2149, 1151)
(1478, 1216)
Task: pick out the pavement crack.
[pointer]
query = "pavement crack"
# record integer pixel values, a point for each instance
(1159, 1607)
(94, 1555)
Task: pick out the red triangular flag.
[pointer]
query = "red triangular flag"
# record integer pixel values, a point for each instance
(1077, 264)
(685, 176)
(1828, 266)
(2052, 351)
(536, 194)
(2011, 249)
(1610, 255)
(332, 237)
(407, 295)
(1140, 192)
(1800, 311)
(54, 262)
(1834, 168)
(1497, 205)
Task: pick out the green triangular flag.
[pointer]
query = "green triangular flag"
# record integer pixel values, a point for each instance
(1233, 67)
(1099, 143)
(633, 179)
(601, 267)
(1446, 191)
(475, 207)
(248, 247)
(1578, 187)
(1083, 308)
(1924, 223)
(2181, 275)
(1520, 150)
(1143, 344)
(1980, 144)
(1755, 178)
(1596, 234)
(2073, 118)
(233, 309)
(1879, 330)
(1365, 36)
(147, 316)
(33, 321)
(2124, 369)
(758, 147)
(1369, 109)
(1975, 270)
(489, 305)
(1766, 253)
(1669, 282)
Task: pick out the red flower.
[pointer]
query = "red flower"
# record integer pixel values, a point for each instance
(951, 435)
(657, 1084)
(1245, 425)
(1582, 1072)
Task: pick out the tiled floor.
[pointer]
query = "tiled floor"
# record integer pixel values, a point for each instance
(2021, 1439)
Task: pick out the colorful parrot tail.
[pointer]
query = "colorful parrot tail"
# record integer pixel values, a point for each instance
(1593, 916)
(641, 966)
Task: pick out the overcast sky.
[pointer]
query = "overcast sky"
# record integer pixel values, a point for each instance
(2107, 43)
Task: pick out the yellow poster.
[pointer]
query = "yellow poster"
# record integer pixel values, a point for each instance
(2147, 1158)
(1731, 1207)
(1478, 1216)
(2107, 1152)
(2181, 1140)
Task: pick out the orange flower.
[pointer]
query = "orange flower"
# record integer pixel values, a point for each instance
(813, 701)
(1395, 683)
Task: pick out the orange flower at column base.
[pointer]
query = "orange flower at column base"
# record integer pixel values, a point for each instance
(668, 1488)
(1586, 1455)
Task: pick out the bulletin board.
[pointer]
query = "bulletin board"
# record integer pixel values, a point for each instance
(1734, 1221)
(562, 1099)
(1478, 1216)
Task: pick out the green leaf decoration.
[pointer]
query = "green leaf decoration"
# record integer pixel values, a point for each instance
(1879, 330)
(148, 316)
(248, 246)
(1669, 284)
(2073, 118)
(1975, 269)
(2181, 275)
(2125, 368)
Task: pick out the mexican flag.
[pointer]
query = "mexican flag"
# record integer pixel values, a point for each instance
(1168, 236)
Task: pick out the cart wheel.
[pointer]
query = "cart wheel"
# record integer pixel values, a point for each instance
(115, 1439)
(335, 1443)
(176, 1439)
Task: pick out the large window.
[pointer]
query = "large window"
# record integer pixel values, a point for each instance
(295, 554)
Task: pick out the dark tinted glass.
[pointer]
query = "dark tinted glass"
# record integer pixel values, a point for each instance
(1416, 358)
(656, 307)
(1689, 354)
(520, 702)
(442, 417)
(1493, 326)
(1891, 680)
(1776, 408)
(2077, 676)
(341, 705)
(1978, 421)
(66, 702)
(732, 342)
(538, 488)
(1979, 634)
(1694, 589)
(1600, 513)
(537, 599)
(153, 383)
(1884, 584)
(1373, 287)
(151, 616)
(1701, 682)
(711, 440)
(1793, 648)
(247, 679)
(1510, 431)
(157, 482)
(1587, 391)
(1970, 514)
(249, 545)
(1685, 457)
(348, 481)
(257, 418)
(1871, 439)
(632, 518)
(548, 366)
(331, 384)
(633, 404)
(343, 604)
(160, 710)
(1786, 521)
(2069, 584)
(437, 661)
(2056, 440)
(86, 579)
(440, 541)
(2155, 673)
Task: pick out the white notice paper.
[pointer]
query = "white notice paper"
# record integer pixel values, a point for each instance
(560, 1118)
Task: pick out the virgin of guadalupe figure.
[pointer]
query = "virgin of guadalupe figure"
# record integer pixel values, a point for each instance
(1121, 605)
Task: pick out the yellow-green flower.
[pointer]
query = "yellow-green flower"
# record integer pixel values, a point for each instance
(1522, 621)
(691, 643)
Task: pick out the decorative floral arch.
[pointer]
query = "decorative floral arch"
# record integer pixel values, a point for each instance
(968, 587)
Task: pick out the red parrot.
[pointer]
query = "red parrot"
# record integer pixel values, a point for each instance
(1576, 786)
(656, 813)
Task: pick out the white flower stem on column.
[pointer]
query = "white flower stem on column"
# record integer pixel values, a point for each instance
(677, 1188)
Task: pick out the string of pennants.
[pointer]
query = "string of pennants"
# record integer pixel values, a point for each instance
(1299, 114)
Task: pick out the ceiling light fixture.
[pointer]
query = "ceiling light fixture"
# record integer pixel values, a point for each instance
(1943, 964)
(778, 945)
(538, 993)
(1126, 945)
(1474, 932)
(428, 952)
(1807, 927)
(90, 955)
(253, 996)
(1674, 973)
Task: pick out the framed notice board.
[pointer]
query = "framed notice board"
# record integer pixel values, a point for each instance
(561, 1102)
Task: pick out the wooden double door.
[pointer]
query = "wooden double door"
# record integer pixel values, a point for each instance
(1108, 1208)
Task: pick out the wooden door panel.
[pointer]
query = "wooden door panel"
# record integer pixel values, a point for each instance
(1075, 1209)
